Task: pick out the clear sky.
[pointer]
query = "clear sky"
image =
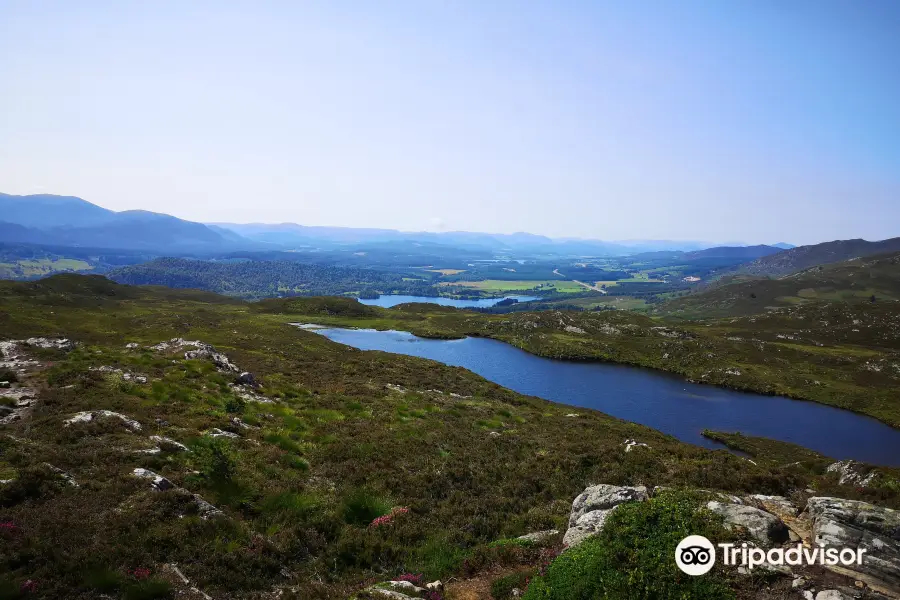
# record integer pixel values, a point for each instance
(757, 121)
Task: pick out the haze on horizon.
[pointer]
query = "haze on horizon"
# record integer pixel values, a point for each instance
(760, 122)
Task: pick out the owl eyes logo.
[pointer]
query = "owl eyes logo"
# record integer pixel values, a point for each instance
(695, 555)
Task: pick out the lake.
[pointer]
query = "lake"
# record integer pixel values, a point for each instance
(387, 301)
(656, 399)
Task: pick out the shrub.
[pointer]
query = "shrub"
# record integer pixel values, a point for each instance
(634, 556)
(215, 459)
(234, 404)
(363, 506)
(34, 483)
(438, 558)
(289, 507)
(8, 375)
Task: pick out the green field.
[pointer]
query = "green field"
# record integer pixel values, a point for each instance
(44, 266)
(498, 285)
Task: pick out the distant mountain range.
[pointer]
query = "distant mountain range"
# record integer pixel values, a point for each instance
(70, 221)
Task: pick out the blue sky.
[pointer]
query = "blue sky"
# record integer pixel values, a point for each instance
(724, 121)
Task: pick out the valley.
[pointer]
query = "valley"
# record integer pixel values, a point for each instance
(268, 485)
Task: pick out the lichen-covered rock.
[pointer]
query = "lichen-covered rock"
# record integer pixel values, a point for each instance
(90, 415)
(764, 526)
(631, 444)
(216, 432)
(57, 343)
(850, 472)
(603, 496)
(205, 509)
(208, 352)
(168, 444)
(833, 595)
(538, 536)
(157, 482)
(855, 524)
(592, 507)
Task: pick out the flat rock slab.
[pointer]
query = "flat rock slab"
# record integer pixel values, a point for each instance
(854, 524)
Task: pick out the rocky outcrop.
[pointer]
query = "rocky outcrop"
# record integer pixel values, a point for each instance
(157, 482)
(592, 507)
(216, 432)
(174, 344)
(855, 524)
(160, 484)
(850, 472)
(248, 379)
(765, 527)
(90, 415)
(207, 352)
(631, 444)
(13, 352)
(16, 403)
(168, 444)
(125, 375)
(249, 394)
(399, 590)
(62, 474)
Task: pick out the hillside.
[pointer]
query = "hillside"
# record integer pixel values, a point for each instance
(327, 470)
(856, 281)
(745, 253)
(804, 257)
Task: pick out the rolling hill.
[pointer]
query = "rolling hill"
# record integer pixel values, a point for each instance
(804, 257)
(858, 280)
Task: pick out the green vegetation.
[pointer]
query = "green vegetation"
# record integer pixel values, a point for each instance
(348, 437)
(855, 282)
(633, 556)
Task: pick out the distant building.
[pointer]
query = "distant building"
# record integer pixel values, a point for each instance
(691, 279)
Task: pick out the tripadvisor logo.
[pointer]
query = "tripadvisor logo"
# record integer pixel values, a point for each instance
(696, 555)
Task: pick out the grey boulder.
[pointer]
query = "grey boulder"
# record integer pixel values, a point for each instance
(593, 506)
(765, 527)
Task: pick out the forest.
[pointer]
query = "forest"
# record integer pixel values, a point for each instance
(265, 279)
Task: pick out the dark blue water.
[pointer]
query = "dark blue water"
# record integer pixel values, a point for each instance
(391, 300)
(664, 402)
